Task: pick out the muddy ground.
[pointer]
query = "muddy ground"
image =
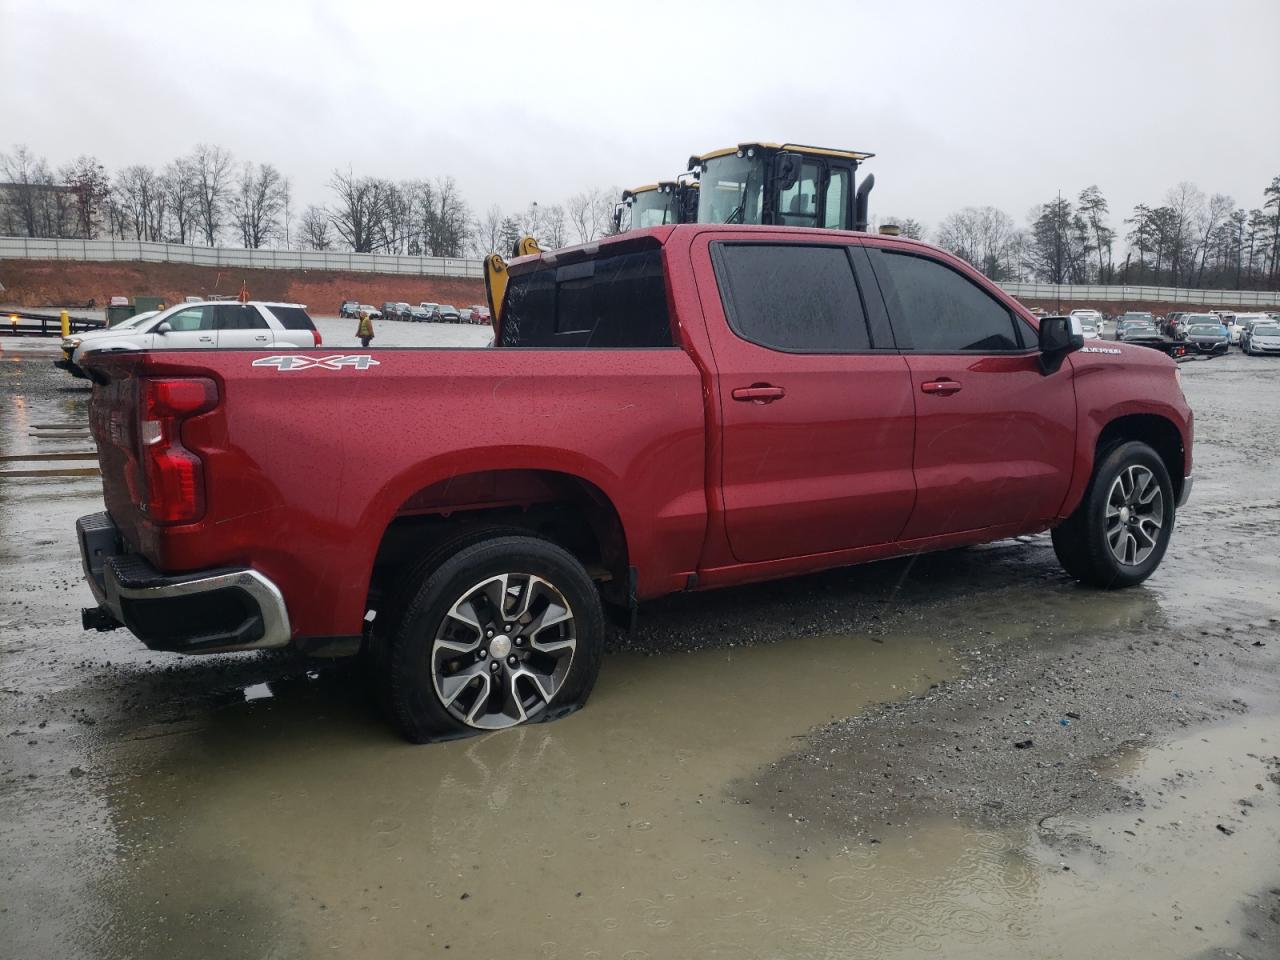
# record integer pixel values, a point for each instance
(821, 767)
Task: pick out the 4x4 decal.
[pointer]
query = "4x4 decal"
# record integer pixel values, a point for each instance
(357, 361)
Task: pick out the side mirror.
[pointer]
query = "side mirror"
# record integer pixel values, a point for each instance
(163, 327)
(788, 170)
(1058, 337)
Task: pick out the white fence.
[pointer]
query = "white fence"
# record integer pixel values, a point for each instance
(1077, 292)
(24, 248)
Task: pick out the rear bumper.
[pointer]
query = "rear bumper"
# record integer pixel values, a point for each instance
(210, 611)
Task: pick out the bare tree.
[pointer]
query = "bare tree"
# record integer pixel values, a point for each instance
(315, 229)
(181, 194)
(211, 168)
(555, 227)
(28, 184)
(257, 203)
(361, 207)
(88, 182)
(487, 232)
(984, 236)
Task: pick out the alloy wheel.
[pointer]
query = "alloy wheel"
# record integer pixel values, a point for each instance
(1135, 515)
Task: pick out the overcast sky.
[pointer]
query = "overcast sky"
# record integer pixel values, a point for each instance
(963, 103)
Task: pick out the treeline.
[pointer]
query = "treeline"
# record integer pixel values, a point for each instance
(208, 198)
(1190, 240)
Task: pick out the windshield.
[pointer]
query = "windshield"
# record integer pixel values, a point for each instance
(1206, 330)
(731, 190)
(652, 208)
(136, 319)
(1261, 331)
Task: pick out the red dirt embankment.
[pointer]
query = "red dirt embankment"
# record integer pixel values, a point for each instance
(39, 283)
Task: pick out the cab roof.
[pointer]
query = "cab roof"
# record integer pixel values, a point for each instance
(855, 155)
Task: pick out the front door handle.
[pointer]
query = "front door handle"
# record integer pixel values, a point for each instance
(206, 339)
(759, 392)
(944, 387)
(260, 338)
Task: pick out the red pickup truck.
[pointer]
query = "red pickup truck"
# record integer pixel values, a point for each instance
(679, 408)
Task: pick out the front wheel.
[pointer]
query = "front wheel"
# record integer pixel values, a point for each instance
(503, 632)
(1118, 534)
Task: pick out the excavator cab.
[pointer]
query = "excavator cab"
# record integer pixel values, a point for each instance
(658, 204)
(783, 184)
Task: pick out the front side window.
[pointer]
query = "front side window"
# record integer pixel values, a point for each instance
(192, 318)
(614, 301)
(945, 311)
(792, 297)
(730, 190)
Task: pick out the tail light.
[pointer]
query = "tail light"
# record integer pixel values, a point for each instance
(171, 477)
(315, 335)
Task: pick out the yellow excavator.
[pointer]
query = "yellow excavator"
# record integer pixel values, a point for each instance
(658, 204)
(787, 184)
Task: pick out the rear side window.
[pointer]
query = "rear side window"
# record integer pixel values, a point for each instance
(946, 312)
(617, 302)
(792, 297)
(237, 316)
(293, 318)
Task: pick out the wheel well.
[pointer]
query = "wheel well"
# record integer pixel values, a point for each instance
(1158, 433)
(560, 507)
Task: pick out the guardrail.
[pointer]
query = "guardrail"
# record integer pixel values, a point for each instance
(26, 248)
(1119, 293)
(42, 324)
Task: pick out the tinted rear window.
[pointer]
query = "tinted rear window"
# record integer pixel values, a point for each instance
(616, 302)
(293, 318)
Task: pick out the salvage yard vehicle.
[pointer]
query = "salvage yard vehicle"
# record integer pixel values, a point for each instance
(445, 313)
(211, 325)
(349, 308)
(1091, 318)
(783, 184)
(373, 312)
(1264, 338)
(1205, 335)
(673, 409)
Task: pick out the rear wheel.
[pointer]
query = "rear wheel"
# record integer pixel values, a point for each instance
(503, 632)
(1118, 534)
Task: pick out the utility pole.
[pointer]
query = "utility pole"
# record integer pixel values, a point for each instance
(1057, 266)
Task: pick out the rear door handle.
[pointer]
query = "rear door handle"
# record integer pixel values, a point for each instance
(759, 392)
(944, 387)
(260, 338)
(206, 339)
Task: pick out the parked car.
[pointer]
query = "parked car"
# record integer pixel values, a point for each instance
(1134, 325)
(479, 313)
(373, 312)
(464, 315)
(430, 308)
(388, 311)
(349, 308)
(445, 313)
(1246, 322)
(419, 314)
(1264, 338)
(478, 563)
(1092, 318)
(1206, 335)
(1090, 329)
(217, 324)
(403, 311)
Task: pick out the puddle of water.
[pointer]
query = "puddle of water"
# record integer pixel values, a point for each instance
(297, 824)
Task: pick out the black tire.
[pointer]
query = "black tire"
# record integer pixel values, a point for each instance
(407, 687)
(1081, 541)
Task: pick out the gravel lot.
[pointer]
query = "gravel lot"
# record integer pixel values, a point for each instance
(823, 767)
